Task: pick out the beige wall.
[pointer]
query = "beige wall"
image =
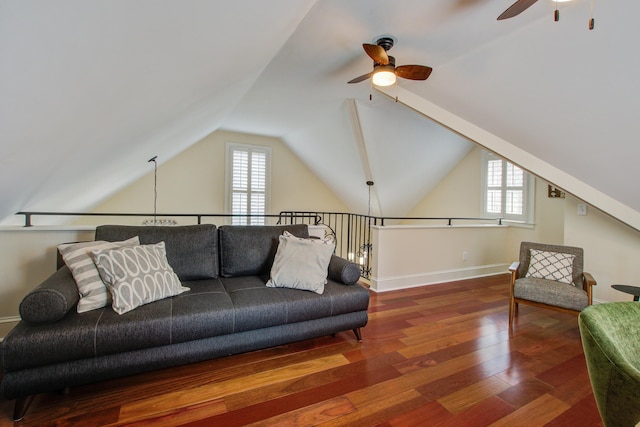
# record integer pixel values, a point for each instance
(611, 249)
(193, 182)
(460, 194)
(28, 257)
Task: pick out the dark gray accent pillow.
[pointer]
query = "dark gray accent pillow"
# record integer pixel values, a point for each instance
(250, 249)
(51, 300)
(192, 250)
(342, 270)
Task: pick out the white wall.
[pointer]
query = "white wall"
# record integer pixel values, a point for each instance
(407, 256)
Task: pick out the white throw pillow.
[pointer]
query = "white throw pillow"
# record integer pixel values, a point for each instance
(93, 292)
(551, 265)
(137, 275)
(301, 263)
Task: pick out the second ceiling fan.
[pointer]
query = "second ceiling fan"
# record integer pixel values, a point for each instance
(521, 5)
(516, 9)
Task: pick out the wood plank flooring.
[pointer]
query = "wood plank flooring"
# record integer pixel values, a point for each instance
(437, 355)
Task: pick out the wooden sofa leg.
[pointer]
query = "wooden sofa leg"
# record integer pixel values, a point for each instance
(358, 334)
(21, 406)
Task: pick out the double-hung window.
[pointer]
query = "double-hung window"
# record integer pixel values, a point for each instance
(508, 190)
(248, 176)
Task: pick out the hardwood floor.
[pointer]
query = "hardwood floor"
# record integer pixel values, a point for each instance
(438, 355)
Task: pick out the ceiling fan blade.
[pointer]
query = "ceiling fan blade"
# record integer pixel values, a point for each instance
(360, 79)
(516, 9)
(413, 72)
(377, 53)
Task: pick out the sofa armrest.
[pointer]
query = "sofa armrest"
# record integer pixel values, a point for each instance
(343, 271)
(51, 300)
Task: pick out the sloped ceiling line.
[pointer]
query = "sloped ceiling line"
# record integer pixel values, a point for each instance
(527, 161)
(354, 117)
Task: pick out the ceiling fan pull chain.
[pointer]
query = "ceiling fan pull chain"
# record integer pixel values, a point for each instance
(592, 22)
(556, 15)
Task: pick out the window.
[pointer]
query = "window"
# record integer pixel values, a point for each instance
(508, 191)
(248, 173)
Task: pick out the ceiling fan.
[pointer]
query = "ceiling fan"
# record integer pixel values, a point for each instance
(521, 5)
(384, 66)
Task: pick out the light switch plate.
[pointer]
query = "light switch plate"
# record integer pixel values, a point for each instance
(582, 209)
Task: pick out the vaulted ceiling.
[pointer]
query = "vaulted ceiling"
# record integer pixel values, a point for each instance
(90, 90)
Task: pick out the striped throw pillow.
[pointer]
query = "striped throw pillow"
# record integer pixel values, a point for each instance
(77, 256)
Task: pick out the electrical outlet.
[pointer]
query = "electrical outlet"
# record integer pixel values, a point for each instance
(465, 256)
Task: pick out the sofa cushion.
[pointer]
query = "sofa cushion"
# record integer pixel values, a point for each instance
(249, 250)
(301, 263)
(257, 306)
(93, 292)
(551, 292)
(51, 300)
(192, 250)
(137, 275)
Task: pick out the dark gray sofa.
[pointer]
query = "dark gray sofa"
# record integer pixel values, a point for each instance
(228, 310)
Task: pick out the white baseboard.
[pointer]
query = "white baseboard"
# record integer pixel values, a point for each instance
(384, 284)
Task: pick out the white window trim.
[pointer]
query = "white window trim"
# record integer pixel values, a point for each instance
(230, 147)
(529, 193)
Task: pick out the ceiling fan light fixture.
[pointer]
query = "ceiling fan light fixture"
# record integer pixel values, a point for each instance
(384, 77)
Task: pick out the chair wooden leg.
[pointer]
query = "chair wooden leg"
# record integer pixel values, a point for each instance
(512, 308)
(21, 406)
(358, 334)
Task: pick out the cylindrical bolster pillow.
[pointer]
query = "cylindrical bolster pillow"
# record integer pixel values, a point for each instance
(341, 270)
(51, 300)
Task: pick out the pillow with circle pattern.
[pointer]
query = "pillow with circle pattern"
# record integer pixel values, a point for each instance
(137, 275)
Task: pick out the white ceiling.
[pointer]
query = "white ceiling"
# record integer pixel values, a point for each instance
(82, 82)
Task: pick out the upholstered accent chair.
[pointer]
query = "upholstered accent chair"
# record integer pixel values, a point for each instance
(612, 350)
(550, 276)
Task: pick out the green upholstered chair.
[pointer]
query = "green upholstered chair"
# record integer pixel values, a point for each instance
(553, 278)
(611, 340)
